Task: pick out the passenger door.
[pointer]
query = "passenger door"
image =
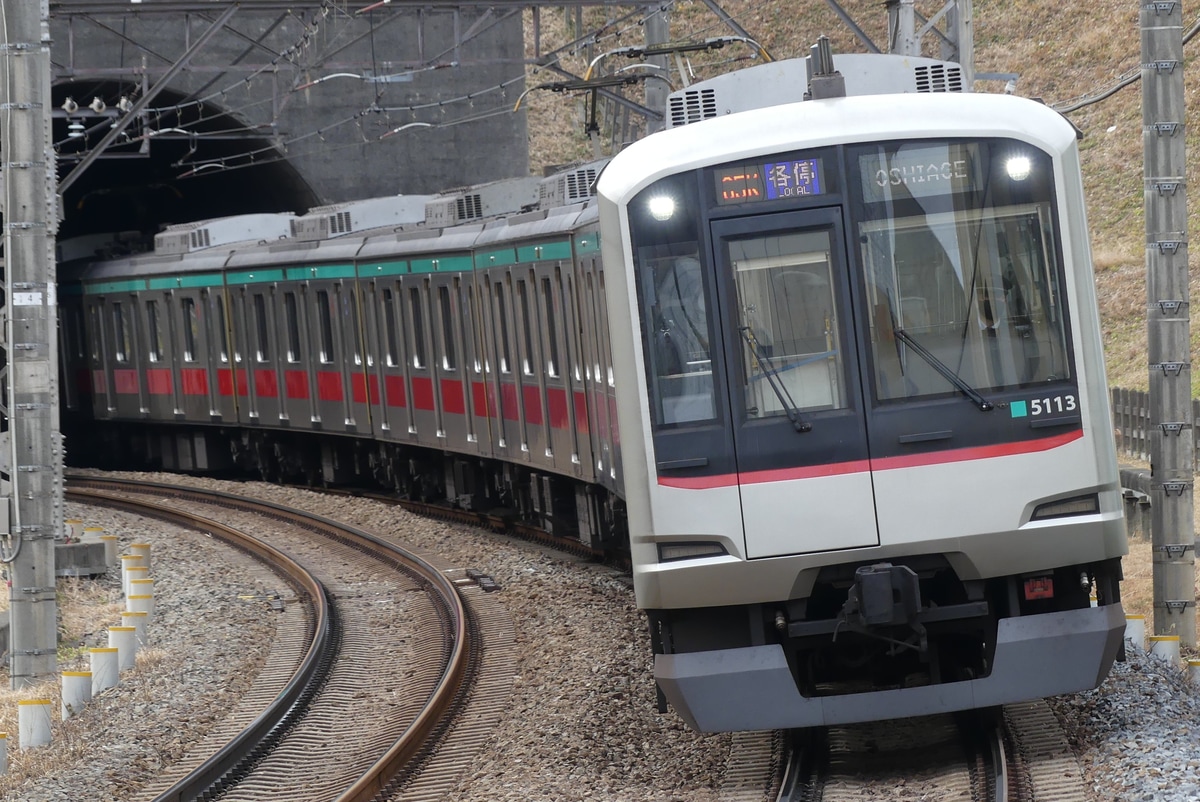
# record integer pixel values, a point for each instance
(793, 383)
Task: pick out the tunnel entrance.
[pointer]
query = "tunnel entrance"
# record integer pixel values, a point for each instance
(179, 161)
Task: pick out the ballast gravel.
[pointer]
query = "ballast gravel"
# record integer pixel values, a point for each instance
(581, 724)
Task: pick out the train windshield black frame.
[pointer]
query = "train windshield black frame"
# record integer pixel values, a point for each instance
(957, 245)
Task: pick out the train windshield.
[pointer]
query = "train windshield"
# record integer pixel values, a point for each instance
(961, 270)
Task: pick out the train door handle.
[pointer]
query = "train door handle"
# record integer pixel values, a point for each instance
(925, 437)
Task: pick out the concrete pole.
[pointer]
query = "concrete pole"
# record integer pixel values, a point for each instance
(902, 28)
(657, 32)
(30, 326)
(1172, 454)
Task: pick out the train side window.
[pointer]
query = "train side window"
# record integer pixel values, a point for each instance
(94, 315)
(449, 357)
(325, 326)
(592, 369)
(222, 332)
(526, 330)
(261, 329)
(190, 328)
(389, 327)
(477, 366)
(121, 332)
(605, 346)
(292, 320)
(502, 313)
(154, 331)
(418, 324)
(354, 324)
(551, 327)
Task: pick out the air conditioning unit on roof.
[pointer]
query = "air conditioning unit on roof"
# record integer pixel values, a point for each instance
(188, 237)
(481, 202)
(326, 222)
(779, 82)
(569, 186)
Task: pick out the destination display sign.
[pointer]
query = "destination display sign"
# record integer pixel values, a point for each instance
(767, 181)
(919, 171)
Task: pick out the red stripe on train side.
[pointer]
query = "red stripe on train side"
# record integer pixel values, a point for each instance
(358, 388)
(243, 384)
(99, 382)
(581, 412)
(194, 381)
(508, 396)
(373, 389)
(295, 384)
(265, 384)
(452, 397)
(125, 382)
(533, 404)
(858, 466)
(556, 408)
(329, 386)
(83, 380)
(481, 394)
(224, 382)
(422, 393)
(393, 391)
(158, 381)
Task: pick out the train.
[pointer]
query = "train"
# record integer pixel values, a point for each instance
(822, 358)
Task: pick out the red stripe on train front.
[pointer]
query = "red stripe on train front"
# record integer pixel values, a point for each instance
(858, 466)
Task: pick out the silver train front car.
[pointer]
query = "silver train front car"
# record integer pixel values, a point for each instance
(869, 463)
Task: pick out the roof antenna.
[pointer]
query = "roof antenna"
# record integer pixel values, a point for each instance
(824, 80)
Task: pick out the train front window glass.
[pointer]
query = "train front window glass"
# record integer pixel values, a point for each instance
(154, 331)
(325, 326)
(787, 323)
(291, 317)
(677, 334)
(962, 270)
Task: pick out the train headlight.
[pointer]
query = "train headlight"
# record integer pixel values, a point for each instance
(661, 207)
(1018, 167)
(1080, 505)
(689, 551)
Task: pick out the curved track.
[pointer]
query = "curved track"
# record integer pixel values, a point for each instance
(363, 605)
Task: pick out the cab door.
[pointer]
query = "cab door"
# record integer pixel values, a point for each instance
(796, 405)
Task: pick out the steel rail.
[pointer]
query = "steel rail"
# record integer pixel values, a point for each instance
(441, 701)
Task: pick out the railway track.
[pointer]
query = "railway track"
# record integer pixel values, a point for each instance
(376, 686)
(1015, 754)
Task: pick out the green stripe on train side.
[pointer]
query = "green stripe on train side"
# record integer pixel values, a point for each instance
(486, 259)
(105, 287)
(544, 251)
(587, 242)
(181, 282)
(320, 272)
(253, 276)
(443, 264)
(383, 269)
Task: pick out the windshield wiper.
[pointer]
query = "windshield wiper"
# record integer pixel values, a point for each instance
(944, 369)
(772, 374)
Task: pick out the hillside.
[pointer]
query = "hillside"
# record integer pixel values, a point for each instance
(1060, 56)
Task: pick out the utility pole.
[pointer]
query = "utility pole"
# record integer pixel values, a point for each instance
(1172, 437)
(29, 376)
(657, 86)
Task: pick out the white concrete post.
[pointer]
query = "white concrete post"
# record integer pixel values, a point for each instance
(34, 722)
(76, 692)
(106, 670)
